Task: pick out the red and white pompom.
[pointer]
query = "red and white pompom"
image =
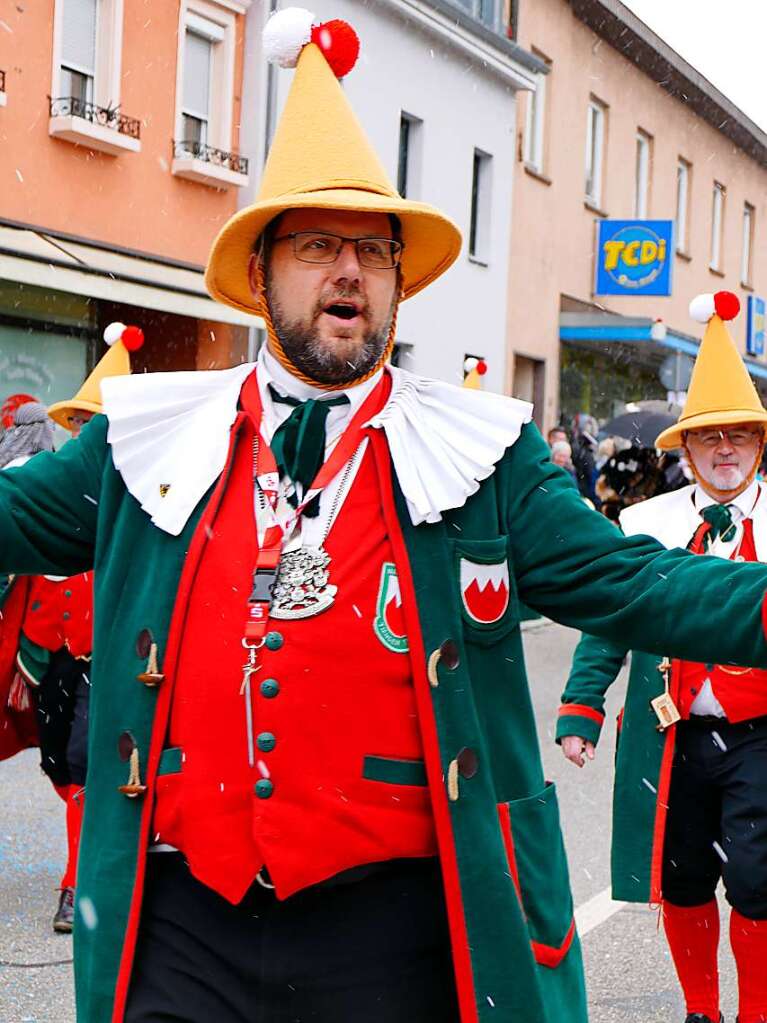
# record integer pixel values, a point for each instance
(471, 362)
(132, 337)
(724, 304)
(288, 31)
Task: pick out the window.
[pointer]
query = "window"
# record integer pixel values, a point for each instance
(486, 11)
(78, 49)
(595, 144)
(512, 19)
(479, 228)
(717, 224)
(683, 174)
(198, 58)
(642, 175)
(535, 122)
(747, 244)
(409, 161)
(207, 47)
(86, 74)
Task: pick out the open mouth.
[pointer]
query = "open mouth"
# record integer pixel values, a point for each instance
(342, 310)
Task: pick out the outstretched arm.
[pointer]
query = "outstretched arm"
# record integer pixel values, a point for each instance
(49, 507)
(571, 564)
(596, 664)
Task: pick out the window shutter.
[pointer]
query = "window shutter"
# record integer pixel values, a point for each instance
(78, 49)
(197, 59)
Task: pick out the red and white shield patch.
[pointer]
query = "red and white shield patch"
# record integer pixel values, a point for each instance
(485, 590)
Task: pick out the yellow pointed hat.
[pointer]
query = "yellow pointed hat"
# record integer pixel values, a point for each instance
(721, 391)
(320, 158)
(115, 362)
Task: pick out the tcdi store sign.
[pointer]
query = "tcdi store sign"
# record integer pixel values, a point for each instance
(634, 257)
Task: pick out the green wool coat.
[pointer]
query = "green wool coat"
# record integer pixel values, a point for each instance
(642, 759)
(516, 955)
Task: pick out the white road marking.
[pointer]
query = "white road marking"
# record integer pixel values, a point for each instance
(594, 912)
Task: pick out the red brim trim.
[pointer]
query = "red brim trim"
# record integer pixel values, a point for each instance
(162, 713)
(464, 973)
(581, 710)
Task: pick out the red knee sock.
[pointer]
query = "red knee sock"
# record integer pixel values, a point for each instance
(693, 937)
(75, 803)
(749, 946)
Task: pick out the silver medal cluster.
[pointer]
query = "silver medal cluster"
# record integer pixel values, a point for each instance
(303, 585)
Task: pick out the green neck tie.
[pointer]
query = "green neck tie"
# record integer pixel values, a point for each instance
(719, 517)
(298, 444)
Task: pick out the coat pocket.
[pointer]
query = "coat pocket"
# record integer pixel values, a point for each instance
(486, 590)
(538, 866)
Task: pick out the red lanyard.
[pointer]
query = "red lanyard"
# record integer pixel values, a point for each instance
(267, 477)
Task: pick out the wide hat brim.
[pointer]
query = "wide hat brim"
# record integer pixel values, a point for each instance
(432, 242)
(672, 437)
(60, 411)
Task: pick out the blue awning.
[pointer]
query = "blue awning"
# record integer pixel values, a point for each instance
(608, 328)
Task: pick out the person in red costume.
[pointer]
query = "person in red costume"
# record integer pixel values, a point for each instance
(47, 629)
(690, 806)
(44, 641)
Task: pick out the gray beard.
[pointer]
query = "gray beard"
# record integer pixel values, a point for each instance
(304, 350)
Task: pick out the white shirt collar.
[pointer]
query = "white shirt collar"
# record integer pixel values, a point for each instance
(742, 505)
(270, 371)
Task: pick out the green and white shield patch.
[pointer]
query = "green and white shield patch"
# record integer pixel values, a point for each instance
(389, 622)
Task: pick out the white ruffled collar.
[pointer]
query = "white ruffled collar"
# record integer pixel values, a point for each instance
(169, 434)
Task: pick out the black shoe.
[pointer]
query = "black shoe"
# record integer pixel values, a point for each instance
(698, 1017)
(65, 914)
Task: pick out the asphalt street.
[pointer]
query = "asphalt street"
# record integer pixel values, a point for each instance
(629, 973)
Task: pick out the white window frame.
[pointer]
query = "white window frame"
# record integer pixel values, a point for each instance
(481, 216)
(747, 244)
(718, 199)
(642, 174)
(217, 20)
(596, 119)
(535, 122)
(683, 176)
(106, 82)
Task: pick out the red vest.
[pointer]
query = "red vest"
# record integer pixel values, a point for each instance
(60, 613)
(742, 692)
(337, 778)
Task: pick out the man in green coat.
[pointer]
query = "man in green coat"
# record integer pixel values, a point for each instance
(318, 794)
(690, 800)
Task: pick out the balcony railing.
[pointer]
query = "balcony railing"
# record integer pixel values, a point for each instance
(209, 154)
(107, 117)
(2, 81)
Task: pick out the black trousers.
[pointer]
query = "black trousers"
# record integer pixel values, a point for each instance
(62, 718)
(717, 816)
(372, 951)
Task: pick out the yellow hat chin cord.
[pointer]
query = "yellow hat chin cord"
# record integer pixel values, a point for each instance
(723, 496)
(284, 361)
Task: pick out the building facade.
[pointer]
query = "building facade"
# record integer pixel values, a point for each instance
(121, 158)
(622, 127)
(435, 89)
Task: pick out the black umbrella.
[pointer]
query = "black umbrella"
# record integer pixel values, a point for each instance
(641, 427)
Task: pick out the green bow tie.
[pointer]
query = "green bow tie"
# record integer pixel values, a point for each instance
(298, 444)
(719, 517)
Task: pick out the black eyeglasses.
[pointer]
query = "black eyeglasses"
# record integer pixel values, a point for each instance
(319, 247)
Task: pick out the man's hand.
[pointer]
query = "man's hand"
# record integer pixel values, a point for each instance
(573, 747)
